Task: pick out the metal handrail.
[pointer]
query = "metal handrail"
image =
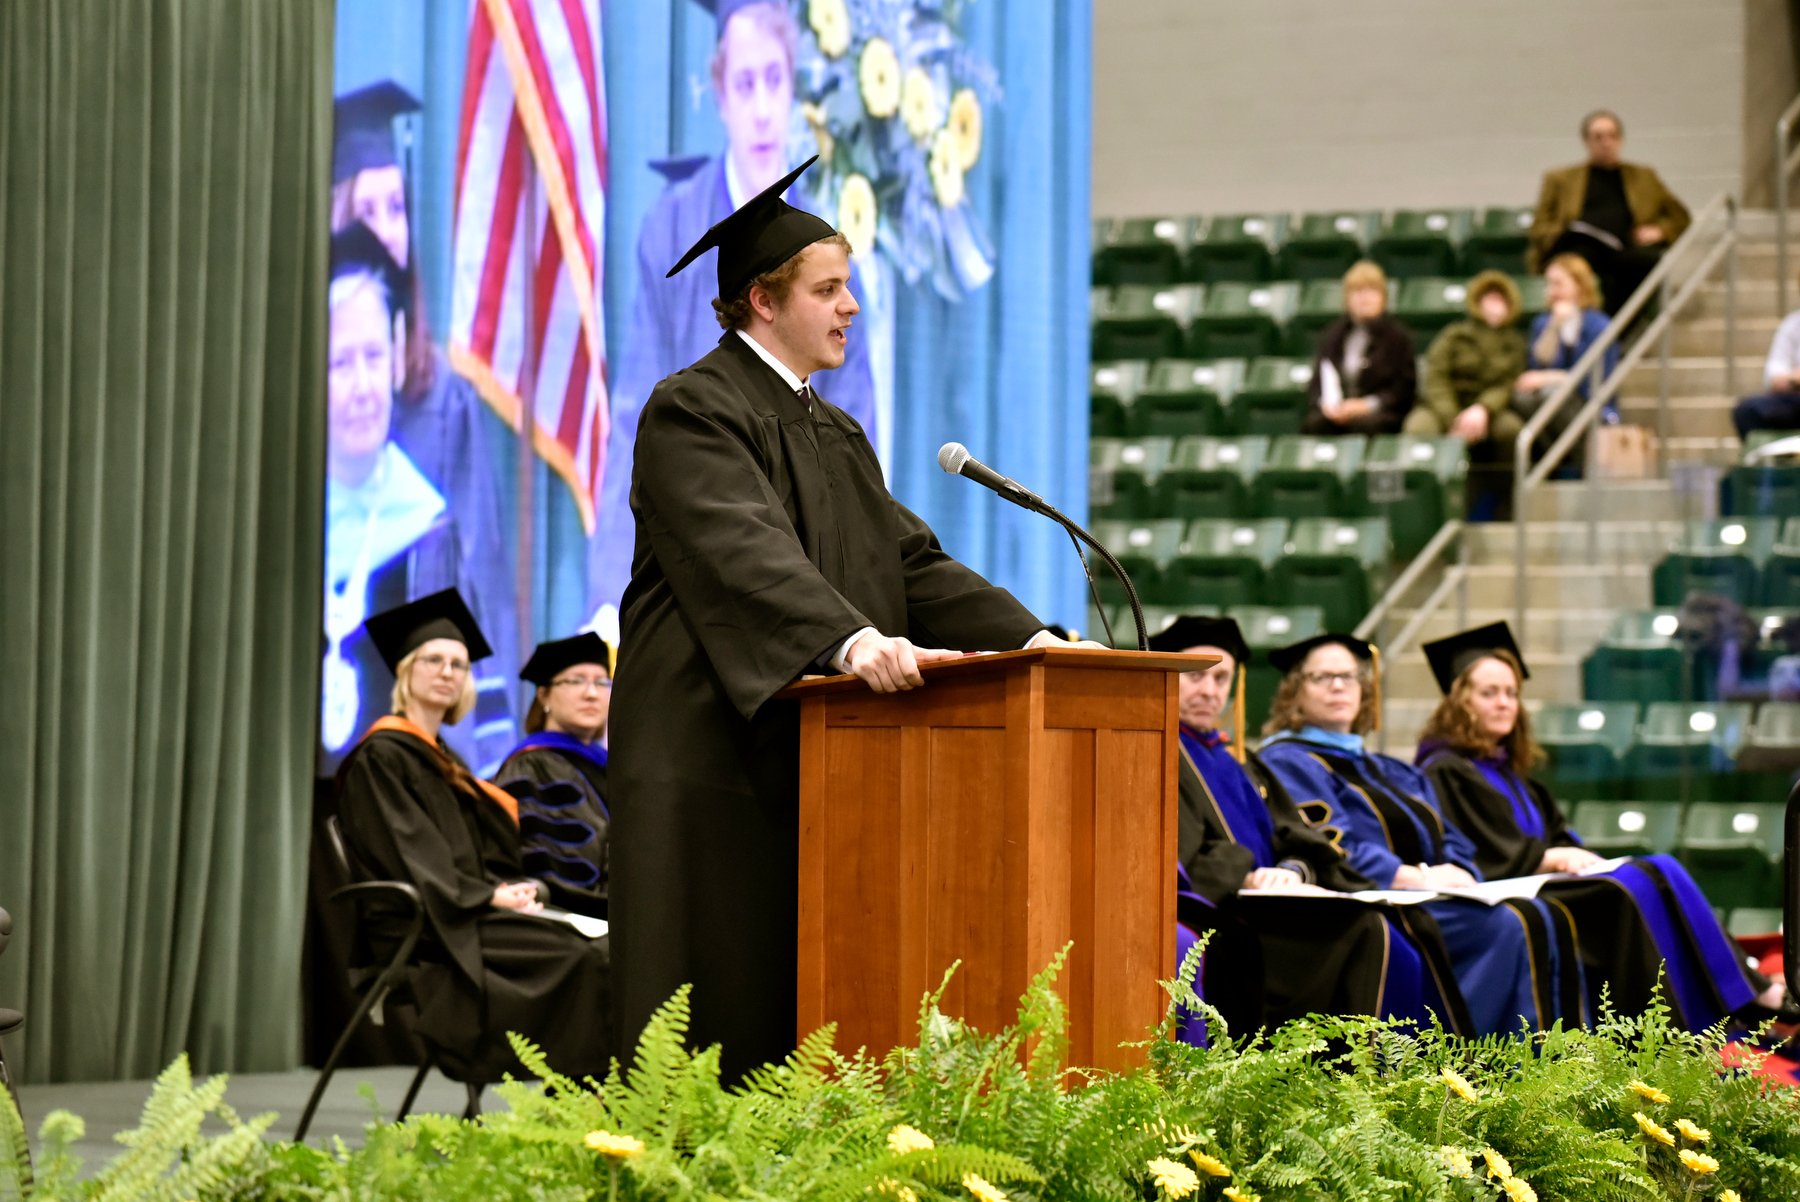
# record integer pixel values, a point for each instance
(1525, 476)
(1457, 577)
(1785, 162)
(1405, 580)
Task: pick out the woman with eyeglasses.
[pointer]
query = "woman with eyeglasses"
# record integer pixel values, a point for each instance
(493, 958)
(558, 771)
(1514, 962)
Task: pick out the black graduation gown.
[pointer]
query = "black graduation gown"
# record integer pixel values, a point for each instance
(487, 971)
(563, 824)
(1483, 813)
(765, 537)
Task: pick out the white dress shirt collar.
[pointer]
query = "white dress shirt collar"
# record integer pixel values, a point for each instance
(794, 382)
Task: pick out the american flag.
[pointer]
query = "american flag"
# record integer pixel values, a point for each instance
(533, 93)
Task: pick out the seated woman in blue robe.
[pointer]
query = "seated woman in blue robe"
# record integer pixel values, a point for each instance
(1636, 919)
(1515, 962)
(558, 771)
(1275, 958)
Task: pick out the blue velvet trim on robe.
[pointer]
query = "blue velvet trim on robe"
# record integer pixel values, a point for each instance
(1720, 959)
(1525, 811)
(556, 740)
(1190, 1024)
(1246, 816)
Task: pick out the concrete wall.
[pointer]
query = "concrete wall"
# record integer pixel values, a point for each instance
(1220, 105)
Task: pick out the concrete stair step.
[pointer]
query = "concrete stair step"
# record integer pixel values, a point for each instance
(1566, 541)
(1756, 298)
(1616, 500)
(1548, 632)
(1706, 335)
(1702, 417)
(1698, 375)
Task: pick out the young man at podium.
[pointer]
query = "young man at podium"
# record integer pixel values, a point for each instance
(768, 547)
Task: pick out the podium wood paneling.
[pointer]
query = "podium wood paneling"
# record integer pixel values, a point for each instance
(1016, 803)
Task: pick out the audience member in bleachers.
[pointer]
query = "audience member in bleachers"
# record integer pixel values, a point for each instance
(1272, 959)
(1472, 368)
(558, 771)
(1567, 331)
(1364, 374)
(1777, 406)
(1720, 639)
(1383, 813)
(492, 960)
(1635, 918)
(1617, 215)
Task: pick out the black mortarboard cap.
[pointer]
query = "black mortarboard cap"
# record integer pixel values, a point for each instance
(553, 658)
(355, 250)
(1286, 659)
(762, 235)
(1451, 657)
(400, 631)
(362, 136)
(677, 169)
(1186, 632)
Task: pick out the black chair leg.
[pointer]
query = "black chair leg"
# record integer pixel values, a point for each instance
(412, 1091)
(370, 1000)
(473, 1110)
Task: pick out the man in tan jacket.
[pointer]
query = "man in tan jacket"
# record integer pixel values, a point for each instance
(1616, 215)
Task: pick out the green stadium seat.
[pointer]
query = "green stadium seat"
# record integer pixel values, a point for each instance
(1309, 477)
(1750, 920)
(1141, 323)
(1767, 762)
(1758, 489)
(1222, 562)
(1638, 660)
(1335, 565)
(1416, 483)
(1733, 852)
(1585, 745)
(1142, 548)
(1265, 628)
(1273, 398)
(1326, 244)
(1321, 303)
(1694, 740)
(1719, 555)
(1426, 306)
(1423, 242)
(1758, 439)
(1183, 397)
(1112, 387)
(1498, 242)
(1241, 320)
(1237, 247)
(1121, 472)
(1210, 477)
(1627, 828)
(1142, 250)
(1534, 297)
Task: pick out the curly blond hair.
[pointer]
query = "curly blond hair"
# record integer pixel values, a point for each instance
(1453, 721)
(1284, 711)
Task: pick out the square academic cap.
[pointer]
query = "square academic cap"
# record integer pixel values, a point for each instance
(762, 235)
(363, 128)
(723, 9)
(1186, 632)
(552, 659)
(1287, 658)
(1451, 657)
(400, 631)
(355, 250)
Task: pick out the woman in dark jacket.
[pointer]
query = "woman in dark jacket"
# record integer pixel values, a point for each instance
(1364, 373)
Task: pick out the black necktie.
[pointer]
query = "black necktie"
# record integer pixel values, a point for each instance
(805, 396)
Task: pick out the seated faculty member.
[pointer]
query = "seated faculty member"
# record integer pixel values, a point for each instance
(1383, 814)
(558, 771)
(1635, 919)
(1271, 958)
(412, 811)
(768, 547)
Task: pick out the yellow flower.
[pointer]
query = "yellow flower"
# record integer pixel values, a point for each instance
(1693, 1130)
(1652, 1131)
(1456, 1161)
(857, 214)
(1699, 1162)
(1729, 1195)
(830, 22)
(619, 1147)
(981, 1189)
(919, 104)
(887, 1185)
(1647, 1092)
(878, 74)
(965, 124)
(1208, 1165)
(1517, 1190)
(1496, 1163)
(1241, 1195)
(1459, 1085)
(904, 1139)
(946, 170)
(1173, 1178)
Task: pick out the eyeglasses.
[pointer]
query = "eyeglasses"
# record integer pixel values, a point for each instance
(582, 684)
(437, 663)
(1326, 680)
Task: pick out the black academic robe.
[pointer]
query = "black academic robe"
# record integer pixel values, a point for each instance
(765, 538)
(486, 971)
(563, 824)
(1482, 812)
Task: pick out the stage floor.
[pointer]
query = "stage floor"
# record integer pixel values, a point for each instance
(109, 1107)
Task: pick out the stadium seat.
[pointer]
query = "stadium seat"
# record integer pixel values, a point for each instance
(1733, 852)
(1142, 250)
(1121, 473)
(1335, 565)
(1326, 244)
(1142, 548)
(1112, 387)
(1779, 582)
(1693, 742)
(1637, 660)
(1222, 562)
(1718, 555)
(1183, 397)
(1627, 828)
(1309, 477)
(1321, 302)
(1534, 297)
(1423, 242)
(1585, 745)
(1498, 242)
(1273, 398)
(1210, 477)
(1265, 628)
(1237, 247)
(1753, 921)
(1429, 475)
(1770, 755)
(1426, 306)
(1141, 323)
(1241, 320)
(1756, 489)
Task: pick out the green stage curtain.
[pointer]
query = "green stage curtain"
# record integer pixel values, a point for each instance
(162, 347)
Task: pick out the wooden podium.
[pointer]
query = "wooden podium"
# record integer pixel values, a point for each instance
(1017, 802)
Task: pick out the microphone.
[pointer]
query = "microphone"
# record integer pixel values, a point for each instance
(954, 458)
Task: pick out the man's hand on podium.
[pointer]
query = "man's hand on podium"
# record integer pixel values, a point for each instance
(891, 665)
(1044, 638)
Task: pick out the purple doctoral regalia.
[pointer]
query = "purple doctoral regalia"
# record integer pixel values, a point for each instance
(672, 326)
